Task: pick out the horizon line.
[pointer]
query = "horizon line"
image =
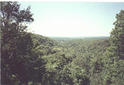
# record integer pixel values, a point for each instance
(75, 36)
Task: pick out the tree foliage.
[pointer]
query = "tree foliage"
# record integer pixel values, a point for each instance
(32, 59)
(115, 53)
(16, 42)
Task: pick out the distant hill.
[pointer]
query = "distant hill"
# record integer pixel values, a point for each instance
(78, 38)
(43, 40)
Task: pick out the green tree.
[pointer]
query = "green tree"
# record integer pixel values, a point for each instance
(16, 42)
(114, 66)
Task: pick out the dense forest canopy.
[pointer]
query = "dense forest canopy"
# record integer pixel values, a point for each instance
(32, 59)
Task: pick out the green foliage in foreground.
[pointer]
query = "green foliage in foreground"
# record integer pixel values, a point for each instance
(114, 57)
(31, 59)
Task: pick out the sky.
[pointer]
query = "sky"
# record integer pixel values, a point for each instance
(72, 19)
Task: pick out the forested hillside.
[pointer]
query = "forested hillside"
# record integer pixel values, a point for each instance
(32, 59)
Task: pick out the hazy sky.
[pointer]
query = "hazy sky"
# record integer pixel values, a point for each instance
(73, 19)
